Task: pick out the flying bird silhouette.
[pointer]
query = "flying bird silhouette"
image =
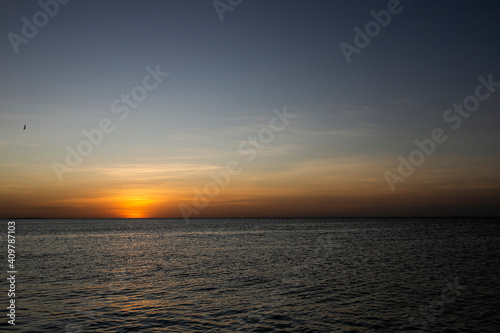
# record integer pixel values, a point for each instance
(24, 127)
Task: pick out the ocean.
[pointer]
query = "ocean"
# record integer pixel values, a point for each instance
(255, 275)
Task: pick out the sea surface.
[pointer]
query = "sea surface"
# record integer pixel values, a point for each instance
(255, 275)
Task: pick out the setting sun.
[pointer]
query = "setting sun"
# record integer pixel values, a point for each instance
(135, 205)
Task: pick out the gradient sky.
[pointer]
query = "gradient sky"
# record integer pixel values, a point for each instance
(225, 78)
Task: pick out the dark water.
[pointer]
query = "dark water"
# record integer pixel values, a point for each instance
(256, 275)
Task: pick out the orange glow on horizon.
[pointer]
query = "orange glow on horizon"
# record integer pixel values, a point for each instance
(136, 204)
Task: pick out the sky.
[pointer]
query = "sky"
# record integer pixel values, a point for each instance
(185, 109)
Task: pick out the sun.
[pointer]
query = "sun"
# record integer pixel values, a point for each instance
(135, 206)
(135, 214)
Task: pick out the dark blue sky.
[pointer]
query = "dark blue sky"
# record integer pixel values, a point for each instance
(224, 79)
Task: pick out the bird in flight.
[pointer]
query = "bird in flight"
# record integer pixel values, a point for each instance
(24, 127)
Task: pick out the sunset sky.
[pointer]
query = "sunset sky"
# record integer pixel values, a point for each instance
(347, 121)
